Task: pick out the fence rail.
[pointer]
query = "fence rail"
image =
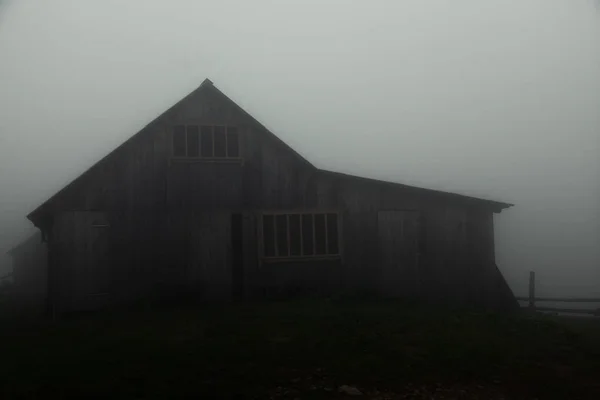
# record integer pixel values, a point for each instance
(531, 299)
(564, 299)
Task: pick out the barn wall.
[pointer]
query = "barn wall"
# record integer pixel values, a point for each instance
(305, 277)
(80, 261)
(161, 227)
(141, 176)
(456, 257)
(170, 219)
(452, 259)
(209, 259)
(30, 274)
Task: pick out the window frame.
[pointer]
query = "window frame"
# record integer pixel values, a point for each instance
(302, 257)
(200, 157)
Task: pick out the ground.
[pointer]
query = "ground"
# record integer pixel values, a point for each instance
(301, 350)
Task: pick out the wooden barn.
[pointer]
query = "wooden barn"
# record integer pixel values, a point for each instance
(208, 201)
(29, 264)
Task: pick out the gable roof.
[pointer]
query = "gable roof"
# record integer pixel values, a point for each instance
(207, 84)
(261, 126)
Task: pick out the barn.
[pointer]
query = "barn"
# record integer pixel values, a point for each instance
(206, 200)
(29, 274)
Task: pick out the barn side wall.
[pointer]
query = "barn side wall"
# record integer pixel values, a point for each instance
(170, 219)
(30, 275)
(456, 259)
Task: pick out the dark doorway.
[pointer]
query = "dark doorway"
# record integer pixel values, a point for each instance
(398, 235)
(237, 250)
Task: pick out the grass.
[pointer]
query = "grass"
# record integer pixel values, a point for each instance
(301, 349)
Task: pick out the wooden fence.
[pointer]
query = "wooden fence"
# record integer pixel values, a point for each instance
(531, 299)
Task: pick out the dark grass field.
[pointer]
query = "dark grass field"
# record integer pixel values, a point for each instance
(304, 350)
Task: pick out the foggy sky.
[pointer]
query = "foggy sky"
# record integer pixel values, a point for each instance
(498, 99)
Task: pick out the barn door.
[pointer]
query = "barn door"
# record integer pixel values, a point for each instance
(210, 257)
(99, 268)
(237, 255)
(398, 234)
(80, 264)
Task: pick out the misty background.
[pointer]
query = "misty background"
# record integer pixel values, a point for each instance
(498, 99)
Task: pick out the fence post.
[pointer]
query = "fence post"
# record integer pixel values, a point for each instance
(532, 290)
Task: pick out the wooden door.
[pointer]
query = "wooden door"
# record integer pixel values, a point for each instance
(80, 263)
(398, 238)
(237, 255)
(96, 235)
(211, 254)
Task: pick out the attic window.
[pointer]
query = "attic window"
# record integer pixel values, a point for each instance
(206, 142)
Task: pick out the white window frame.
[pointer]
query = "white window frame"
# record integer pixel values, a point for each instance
(212, 131)
(302, 256)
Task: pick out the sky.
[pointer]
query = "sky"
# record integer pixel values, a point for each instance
(498, 99)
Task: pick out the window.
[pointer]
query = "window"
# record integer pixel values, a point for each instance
(179, 141)
(289, 235)
(193, 141)
(219, 142)
(422, 234)
(206, 141)
(206, 144)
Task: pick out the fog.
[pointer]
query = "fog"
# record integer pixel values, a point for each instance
(498, 99)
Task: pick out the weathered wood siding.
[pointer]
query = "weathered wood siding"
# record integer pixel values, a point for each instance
(170, 220)
(30, 274)
(209, 259)
(141, 176)
(398, 260)
(456, 258)
(81, 268)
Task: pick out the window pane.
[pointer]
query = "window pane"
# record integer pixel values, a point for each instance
(220, 141)
(332, 234)
(193, 141)
(422, 235)
(307, 235)
(268, 235)
(179, 141)
(320, 246)
(206, 141)
(295, 235)
(282, 240)
(233, 146)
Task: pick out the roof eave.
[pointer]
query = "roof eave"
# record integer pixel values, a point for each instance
(36, 215)
(494, 206)
(498, 207)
